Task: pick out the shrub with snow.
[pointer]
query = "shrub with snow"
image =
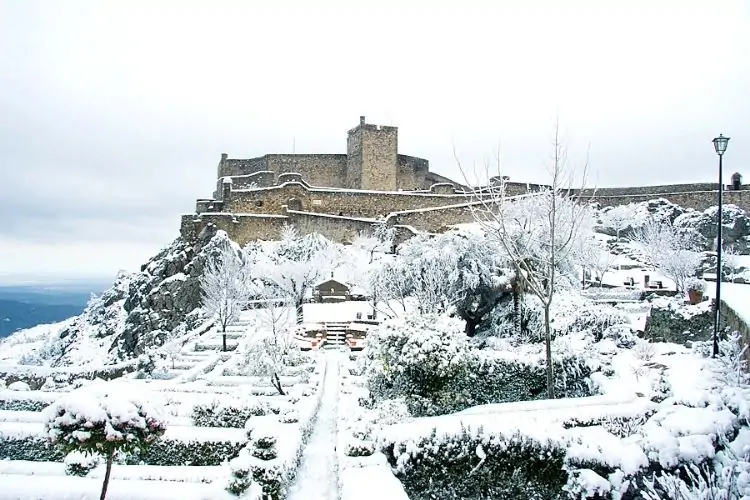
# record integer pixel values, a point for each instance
(695, 284)
(418, 357)
(103, 420)
(19, 386)
(80, 464)
(227, 414)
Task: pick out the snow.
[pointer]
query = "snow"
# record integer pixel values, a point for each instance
(19, 386)
(18, 487)
(374, 482)
(335, 313)
(317, 477)
(736, 296)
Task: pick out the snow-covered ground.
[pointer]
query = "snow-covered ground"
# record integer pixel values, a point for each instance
(317, 477)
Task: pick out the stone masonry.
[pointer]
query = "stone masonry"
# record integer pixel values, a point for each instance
(343, 195)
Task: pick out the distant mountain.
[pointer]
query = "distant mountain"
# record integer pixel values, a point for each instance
(23, 306)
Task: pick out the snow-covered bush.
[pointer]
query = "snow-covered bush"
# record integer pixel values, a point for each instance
(471, 463)
(29, 448)
(622, 335)
(695, 284)
(80, 464)
(227, 414)
(419, 357)
(19, 386)
(574, 315)
(103, 420)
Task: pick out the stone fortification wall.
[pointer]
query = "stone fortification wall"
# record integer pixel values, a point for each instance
(368, 204)
(699, 196)
(327, 170)
(232, 166)
(241, 228)
(433, 220)
(379, 158)
(411, 173)
(341, 229)
(700, 200)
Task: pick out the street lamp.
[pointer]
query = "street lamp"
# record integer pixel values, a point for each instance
(720, 144)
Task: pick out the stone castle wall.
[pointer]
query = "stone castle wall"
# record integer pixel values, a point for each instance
(698, 196)
(352, 203)
(379, 158)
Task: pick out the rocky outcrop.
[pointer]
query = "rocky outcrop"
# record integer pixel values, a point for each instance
(671, 320)
(735, 227)
(166, 293)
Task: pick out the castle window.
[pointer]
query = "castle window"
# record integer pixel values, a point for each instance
(258, 203)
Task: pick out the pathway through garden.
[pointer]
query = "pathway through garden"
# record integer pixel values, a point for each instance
(317, 477)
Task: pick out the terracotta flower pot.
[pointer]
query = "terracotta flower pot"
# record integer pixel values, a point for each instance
(695, 296)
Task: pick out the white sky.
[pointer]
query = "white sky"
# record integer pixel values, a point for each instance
(113, 115)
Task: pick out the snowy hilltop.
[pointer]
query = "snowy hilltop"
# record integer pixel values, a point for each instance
(498, 359)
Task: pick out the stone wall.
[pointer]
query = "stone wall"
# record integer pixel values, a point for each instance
(325, 170)
(735, 322)
(699, 196)
(353, 178)
(231, 166)
(353, 203)
(241, 228)
(433, 220)
(379, 158)
(411, 173)
(699, 200)
(341, 229)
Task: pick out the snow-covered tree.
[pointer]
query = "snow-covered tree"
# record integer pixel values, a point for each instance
(452, 272)
(272, 343)
(539, 232)
(670, 250)
(618, 217)
(224, 288)
(732, 259)
(103, 420)
(292, 265)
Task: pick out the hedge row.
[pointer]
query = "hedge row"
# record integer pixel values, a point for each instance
(165, 452)
(515, 466)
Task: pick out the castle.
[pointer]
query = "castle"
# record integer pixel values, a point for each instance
(343, 195)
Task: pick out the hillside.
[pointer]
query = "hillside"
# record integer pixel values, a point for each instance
(24, 306)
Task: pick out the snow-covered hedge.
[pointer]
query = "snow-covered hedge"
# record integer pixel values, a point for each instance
(272, 456)
(227, 414)
(33, 448)
(26, 401)
(428, 360)
(168, 451)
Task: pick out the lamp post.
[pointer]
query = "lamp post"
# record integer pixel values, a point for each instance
(720, 144)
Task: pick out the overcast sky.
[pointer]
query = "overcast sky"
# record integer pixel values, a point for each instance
(113, 115)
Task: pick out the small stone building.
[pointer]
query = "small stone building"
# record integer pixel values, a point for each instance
(331, 290)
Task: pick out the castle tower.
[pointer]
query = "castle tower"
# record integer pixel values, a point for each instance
(372, 157)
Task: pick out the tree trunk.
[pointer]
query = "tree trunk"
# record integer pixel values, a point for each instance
(276, 381)
(471, 327)
(300, 314)
(548, 346)
(224, 339)
(110, 459)
(517, 310)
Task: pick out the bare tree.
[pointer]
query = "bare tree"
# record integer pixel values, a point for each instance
(294, 265)
(224, 288)
(731, 257)
(538, 231)
(267, 350)
(669, 250)
(618, 217)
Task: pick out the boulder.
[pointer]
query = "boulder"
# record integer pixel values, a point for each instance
(672, 320)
